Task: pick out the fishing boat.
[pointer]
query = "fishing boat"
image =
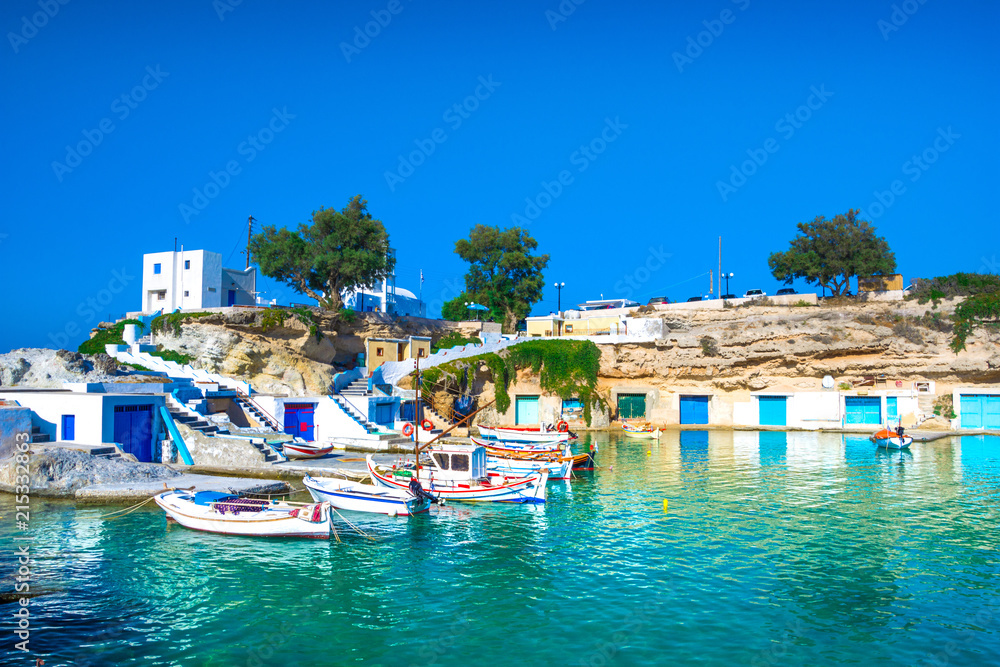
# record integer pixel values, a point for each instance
(890, 439)
(230, 514)
(647, 432)
(586, 461)
(505, 448)
(523, 462)
(458, 473)
(527, 433)
(299, 449)
(357, 497)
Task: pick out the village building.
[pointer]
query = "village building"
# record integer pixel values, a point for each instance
(193, 280)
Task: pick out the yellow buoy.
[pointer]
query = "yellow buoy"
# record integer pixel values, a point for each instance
(648, 452)
(665, 501)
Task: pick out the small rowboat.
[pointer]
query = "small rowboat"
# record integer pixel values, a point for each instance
(524, 434)
(304, 450)
(458, 473)
(889, 439)
(231, 514)
(524, 462)
(357, 497)
(505, 448)
(640, 431)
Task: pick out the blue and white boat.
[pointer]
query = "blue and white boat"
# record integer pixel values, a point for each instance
(357, 497)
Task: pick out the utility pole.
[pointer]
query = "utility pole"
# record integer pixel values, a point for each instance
(720, 268)
(711, 282)
(249, 236)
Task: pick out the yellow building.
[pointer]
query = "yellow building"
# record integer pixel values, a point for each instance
(595, 325)
(881, 283)
(380, 350)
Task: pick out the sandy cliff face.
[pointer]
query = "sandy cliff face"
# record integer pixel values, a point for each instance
(756, 348)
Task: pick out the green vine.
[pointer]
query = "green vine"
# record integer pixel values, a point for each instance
(568, 369)
(979, 310)
(111, 336)
(171, 322)
(273, 318)
(308, 318)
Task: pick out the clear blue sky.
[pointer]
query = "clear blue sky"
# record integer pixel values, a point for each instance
(676, 126)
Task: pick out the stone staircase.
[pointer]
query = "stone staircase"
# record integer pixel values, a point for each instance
(37, 437)
(357, 388)
(190, 418)
(258, 413)
(353, 413)
(269, 454)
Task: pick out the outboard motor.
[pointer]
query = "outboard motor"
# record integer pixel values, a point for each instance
(417, 490)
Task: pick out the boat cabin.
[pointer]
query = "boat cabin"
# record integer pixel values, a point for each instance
(459, 462)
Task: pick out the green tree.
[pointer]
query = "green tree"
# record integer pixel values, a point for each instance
(503, 274)
(831, 252)
(338, 250)
(455, 309)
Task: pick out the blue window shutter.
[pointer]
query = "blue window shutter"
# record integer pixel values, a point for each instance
(156, 268)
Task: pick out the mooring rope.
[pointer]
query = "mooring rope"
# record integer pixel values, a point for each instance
(348, 521)
(127, 510)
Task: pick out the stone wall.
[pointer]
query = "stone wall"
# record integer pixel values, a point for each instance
(13, 420)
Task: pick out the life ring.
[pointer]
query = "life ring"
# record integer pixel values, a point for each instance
(562, 427)
(427, 425)
(408, 429)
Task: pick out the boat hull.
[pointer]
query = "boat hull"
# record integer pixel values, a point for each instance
(644, 435)
(302, 451)
(522, 435)
(273, 522)
(357, 497)
(558, 470)
(894, 443)
(518, 490)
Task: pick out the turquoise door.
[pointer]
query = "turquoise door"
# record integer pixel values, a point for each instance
(891, 409)
(773, 410)
(979, 411)
(694, 409)
(527, 410)
(863, 410)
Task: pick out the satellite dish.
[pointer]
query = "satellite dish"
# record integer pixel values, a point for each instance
(828, 382)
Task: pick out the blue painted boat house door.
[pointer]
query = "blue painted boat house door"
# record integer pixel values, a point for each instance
(773, 410)
(134, 430)
(231, 301)
(526, 410)
(299, 420)
(694, 409)
(863, 410)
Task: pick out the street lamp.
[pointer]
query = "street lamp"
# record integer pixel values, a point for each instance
(727, 276)
(559, 287)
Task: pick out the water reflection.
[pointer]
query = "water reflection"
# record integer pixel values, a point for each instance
(773, 447)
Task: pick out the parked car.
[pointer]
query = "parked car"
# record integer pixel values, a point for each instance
(785, 290)
(695, 298)
(658, 299)
(754, 294)
(728, 296)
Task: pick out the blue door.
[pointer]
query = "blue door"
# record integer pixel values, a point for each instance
(979, 410)
(863, 410)
(69, 427)
(231, 301)
(299, 420)
(891, 409)
(694, 409)
(134, 430)
(773, 410)
(527, 410)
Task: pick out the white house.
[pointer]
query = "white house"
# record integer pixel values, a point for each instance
(192, 279)
(385, 298)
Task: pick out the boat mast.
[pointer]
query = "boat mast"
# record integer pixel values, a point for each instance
(416, 420)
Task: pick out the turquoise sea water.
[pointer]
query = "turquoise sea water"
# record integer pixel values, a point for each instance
(776, 549)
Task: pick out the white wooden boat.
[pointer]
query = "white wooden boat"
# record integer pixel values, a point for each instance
(505, 448)
(299, 449)
(523, 434)
(647, 435)
(559, 468)
(229, 514)
(523, 462)
(458, 473)
(889, 439)
(357, 497)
